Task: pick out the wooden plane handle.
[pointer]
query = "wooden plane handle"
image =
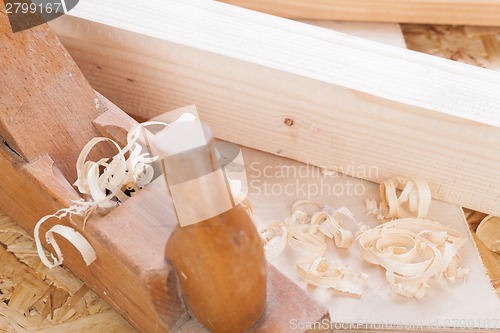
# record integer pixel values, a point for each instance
(216, 250)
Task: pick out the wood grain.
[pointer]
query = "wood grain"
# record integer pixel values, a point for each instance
(352, 105)
(222, 270)
(387, 33)
(47, 105)
(482, 12)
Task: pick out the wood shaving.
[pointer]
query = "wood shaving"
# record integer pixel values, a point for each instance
(306, 244)
(488, 232)
(275, 236)
(305, 231)
(413, 201)
(78, 241)
(331, 225)
(318, 272)
(307, 206)
(413, 251)
(105, 183)
(374, 208)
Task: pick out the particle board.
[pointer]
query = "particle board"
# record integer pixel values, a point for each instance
(478, 46)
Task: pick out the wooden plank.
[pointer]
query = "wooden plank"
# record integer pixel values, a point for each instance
(310, 94)
(470, 12)
(388, 33)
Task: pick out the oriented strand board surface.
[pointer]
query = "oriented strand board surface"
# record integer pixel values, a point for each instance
(479, 46)
(34, 298)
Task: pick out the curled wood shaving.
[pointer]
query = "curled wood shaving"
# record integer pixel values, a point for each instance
(307, 206)
(331, 225)
(107, 188)
(78, 241)
(275, 236)
(318, 272)
(304, 231)
(306, 244)
(413, 251)
(301, 221)
(374, 208)
(414, 200)
(488, 232)
(105, 183)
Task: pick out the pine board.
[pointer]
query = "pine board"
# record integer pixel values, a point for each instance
(353, 94)
(471, 12)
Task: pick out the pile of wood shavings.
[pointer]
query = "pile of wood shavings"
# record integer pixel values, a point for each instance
(413, 250)
(105, 183)
(305, 231)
